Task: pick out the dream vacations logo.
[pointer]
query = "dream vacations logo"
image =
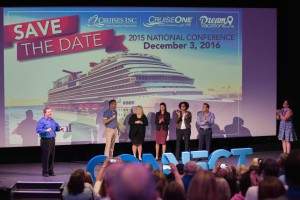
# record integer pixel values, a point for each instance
(216, 22)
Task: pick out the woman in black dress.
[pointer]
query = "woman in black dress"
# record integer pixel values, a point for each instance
(138, 122)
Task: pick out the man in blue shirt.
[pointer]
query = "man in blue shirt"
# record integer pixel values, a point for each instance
(111, 128)
(204, 123)
(46, 127)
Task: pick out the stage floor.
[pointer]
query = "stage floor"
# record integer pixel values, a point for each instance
(11, 173)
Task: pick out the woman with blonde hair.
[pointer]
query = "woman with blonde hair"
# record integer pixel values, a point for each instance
(138, 122)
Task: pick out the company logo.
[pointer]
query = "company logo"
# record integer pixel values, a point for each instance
(100, 21)
(216, 22)
(167, 158)
(168, 21)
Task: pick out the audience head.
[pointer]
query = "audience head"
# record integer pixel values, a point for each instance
(133, 182)
(256, 162)
(254, 173)
(242, 169)
(245, 182)
(76, 182)
(190, 168)
(174, 191)
(269, 167)
(223, 188)
(270, 188)
(139, 181)
(148, 166)
(88, 178)
(180, 168)
(160, 182)
(281, 160)
(203, 186)
(109, 178)
(229, 173)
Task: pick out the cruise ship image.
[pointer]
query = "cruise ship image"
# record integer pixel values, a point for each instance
(127, 76)
(130, 78)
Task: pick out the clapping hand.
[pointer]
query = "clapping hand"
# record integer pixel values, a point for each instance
(138, 122)
(49, 129)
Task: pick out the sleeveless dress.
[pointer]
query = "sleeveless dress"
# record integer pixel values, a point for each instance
(286, 128)
(137, 131)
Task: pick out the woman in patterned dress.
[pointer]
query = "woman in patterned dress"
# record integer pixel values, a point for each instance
(286, 130)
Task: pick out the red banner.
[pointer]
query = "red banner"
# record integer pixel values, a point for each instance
(70, 44)
(46, 28)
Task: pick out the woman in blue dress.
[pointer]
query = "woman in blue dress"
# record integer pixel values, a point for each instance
(286, 130)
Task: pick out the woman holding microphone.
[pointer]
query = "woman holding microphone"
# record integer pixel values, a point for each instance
(286, 129)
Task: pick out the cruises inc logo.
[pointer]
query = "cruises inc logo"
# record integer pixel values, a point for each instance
(168, 21)
(216, 22)
(100, 21)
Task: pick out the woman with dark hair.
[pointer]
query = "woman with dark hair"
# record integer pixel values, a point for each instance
(271, 188)
(162, 120)
(77, 188)
(286, 129)
(183, 126)
(245, 182)
(88, 178)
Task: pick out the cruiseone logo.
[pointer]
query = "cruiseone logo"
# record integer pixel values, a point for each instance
(216, 22)
(168, 21)
(101, 21)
